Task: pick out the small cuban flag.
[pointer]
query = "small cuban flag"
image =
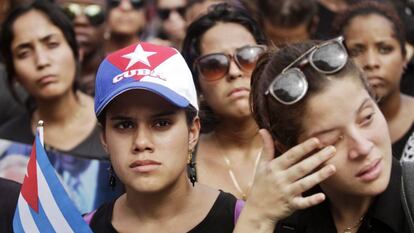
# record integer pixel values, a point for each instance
(43, 205)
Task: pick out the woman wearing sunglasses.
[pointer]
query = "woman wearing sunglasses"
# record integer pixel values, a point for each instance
(375, 38)
(315, 107)
(125, 24)
(222, 48)
(45, 62)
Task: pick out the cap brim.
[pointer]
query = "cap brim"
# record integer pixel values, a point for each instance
(158, 89)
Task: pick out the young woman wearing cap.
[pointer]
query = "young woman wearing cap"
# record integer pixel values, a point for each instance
(311, 94)
(45, 62)
(147, 105)
(222, 48)
(375, 37)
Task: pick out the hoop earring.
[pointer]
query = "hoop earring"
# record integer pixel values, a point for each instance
(112, 178)
(191, 168)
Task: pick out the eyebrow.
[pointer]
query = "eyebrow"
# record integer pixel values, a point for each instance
(157, 115)
(28, 44)
(362, 106)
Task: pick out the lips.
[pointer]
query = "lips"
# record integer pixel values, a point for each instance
(143, 166)
(375, 80)
(371, 171)
(240, 91)
(46, 79)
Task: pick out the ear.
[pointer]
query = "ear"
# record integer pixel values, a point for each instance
(103, 139)
(194, 133)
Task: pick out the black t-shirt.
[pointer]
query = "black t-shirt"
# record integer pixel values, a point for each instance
(9, 194)
(398, 146)
(220, 218)
(385, 215)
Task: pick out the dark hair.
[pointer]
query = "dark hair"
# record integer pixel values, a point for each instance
(365, 8)
(57, 18)
(288, 13)
(220, 13)
(284, 122)
(190, 113)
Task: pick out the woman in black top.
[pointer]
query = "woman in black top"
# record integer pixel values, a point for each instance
(376, 41)
(147, 105)
(311, 93)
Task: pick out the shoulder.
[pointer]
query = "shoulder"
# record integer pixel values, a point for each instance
(102, 218)
(220, 218)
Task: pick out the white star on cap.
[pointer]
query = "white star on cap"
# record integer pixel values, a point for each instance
(139, 55)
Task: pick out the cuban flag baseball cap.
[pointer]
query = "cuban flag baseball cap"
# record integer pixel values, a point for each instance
(159, 69)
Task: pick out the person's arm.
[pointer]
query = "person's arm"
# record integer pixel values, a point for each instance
(279, 183)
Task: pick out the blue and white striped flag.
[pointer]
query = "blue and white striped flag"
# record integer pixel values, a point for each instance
(43, 205)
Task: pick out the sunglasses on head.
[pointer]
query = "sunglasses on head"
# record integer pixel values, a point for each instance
(165, 13)
(136, 4)
(215, 66)
(291, 85)
(94, 13)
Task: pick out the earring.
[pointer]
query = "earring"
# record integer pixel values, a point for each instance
(191, 168)
(112, 178)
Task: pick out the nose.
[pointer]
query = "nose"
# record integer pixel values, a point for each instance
(234, 70)
(42, 58)
(80, 20)
(359, 145)
(370, 60)
(125, 5)
(142, 141)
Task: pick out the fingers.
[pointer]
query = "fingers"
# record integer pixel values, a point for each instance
(309, 164)
(296, 153)
(306, 202)
(313, 179)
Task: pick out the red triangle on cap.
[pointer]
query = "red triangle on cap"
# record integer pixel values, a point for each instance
(136, 56)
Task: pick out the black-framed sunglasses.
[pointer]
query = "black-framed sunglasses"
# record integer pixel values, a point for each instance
(165, 13)
(136, 4)
(215, 66)
(95, 13)
(290, 86)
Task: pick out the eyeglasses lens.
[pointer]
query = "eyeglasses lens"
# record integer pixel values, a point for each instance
(165, 13)
(329, 58)
(136, 4)
(94, 13)
(213, 67)
(289, 86)
(247, 57)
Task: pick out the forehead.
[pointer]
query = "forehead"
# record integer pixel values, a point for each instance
(225, 37)
(171, 3)
(85, 2)
(372, 26)
(23, 27)
(139, 101)
(335, 107)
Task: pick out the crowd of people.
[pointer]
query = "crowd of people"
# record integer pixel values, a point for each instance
(218, 115)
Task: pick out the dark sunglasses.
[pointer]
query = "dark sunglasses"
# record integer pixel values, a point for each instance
(95, 13)
(136, 4)
(291, 85)
(165, 13)
(215, 66)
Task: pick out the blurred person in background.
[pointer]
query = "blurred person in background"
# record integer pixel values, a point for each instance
(196, 8)
(172, 16)
(375, 38)
(222, 48)
(88, 18)
(288, 21)
(45, 63)
(125, 23)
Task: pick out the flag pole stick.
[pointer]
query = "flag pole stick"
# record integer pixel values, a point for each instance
(40, 131)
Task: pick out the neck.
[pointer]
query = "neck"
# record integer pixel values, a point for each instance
(390, 106)
(118, 41)
(58, 110)
(238, 132)
(161, 205)
(347, 211)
